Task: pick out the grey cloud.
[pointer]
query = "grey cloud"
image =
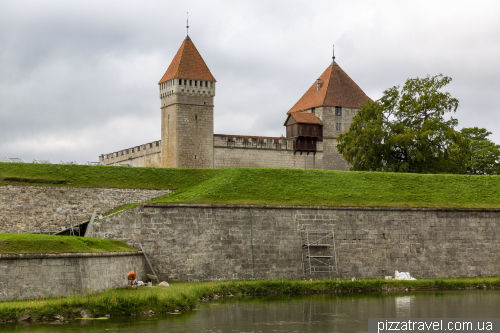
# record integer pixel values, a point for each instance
(79, 78)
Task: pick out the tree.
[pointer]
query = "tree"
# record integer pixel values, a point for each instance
(406, 131)
(483, 154)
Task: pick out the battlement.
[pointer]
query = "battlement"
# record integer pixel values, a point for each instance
(188, 87)
(126, 155)
(256, 142)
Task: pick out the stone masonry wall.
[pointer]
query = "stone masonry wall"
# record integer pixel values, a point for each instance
(332, 160)
(147, 155)
(33, 276)
(35, 208)
(229, 157)
(187, 130)
(205, 242)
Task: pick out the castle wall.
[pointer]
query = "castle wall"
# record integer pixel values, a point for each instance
(262, 152)
(265, 158)
(147, 155)
(44, 208)
(211, 242)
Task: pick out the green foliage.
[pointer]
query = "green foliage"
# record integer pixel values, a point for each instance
(183, 295)
(35, 243)
(286, 187)
(483, 154)
(406, 131)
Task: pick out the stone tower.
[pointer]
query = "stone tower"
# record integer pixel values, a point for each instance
(335, 99)
(187, 93)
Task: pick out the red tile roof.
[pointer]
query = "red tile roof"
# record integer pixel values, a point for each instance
(337, 89)
(304, 117)
(188, 64)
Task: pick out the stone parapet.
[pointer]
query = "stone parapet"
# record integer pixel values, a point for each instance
(35, 276)
(136, 156)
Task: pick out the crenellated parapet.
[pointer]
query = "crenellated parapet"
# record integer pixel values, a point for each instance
(133, 155)
(187, 86)
(256, 142)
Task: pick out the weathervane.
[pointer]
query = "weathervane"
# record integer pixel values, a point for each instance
(187, 23)
(333, 57)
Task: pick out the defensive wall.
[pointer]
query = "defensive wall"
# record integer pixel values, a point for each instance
(146, 155)
(45, 208)
(215, 242)
(32, 276)
(231, 151)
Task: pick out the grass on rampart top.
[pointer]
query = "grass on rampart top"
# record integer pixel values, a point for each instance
(184, 295)
(288, 187)
(34, 243)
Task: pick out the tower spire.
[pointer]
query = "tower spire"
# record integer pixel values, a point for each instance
(333, 57)
(187, 24)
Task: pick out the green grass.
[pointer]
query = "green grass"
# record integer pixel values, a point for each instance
(184, 295)
(288, 187)
(34, 243)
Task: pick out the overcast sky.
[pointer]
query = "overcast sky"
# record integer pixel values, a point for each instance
(80, 78)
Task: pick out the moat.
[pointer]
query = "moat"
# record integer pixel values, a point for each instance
(299, 313)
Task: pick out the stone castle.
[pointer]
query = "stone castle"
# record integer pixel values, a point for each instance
(187, 91)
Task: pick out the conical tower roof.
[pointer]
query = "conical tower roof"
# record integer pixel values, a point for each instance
(188, 64)
(337, 89)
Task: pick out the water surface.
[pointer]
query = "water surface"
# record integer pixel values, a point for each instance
(298, 313)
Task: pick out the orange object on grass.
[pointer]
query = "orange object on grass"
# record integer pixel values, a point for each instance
(131, 276)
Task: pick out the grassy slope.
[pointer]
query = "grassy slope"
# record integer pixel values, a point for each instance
(279, 186)
(187, 295)
(32, 243)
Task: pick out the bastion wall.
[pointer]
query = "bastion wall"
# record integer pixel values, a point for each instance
(44, 208)
(213, 242)
(34, 276)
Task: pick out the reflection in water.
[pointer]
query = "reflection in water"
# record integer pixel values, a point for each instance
(403, 306)
(310, 313)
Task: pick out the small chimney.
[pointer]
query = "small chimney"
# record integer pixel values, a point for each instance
(318, 84)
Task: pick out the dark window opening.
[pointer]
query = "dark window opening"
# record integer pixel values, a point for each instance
(190, 82)
(338, 111)
(338, 126)
(206, 83)
(196, 117)
(313, 110)
(194, 156)
(180, 82)
(195, 83)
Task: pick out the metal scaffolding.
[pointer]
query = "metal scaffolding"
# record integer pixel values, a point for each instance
(319, 257)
